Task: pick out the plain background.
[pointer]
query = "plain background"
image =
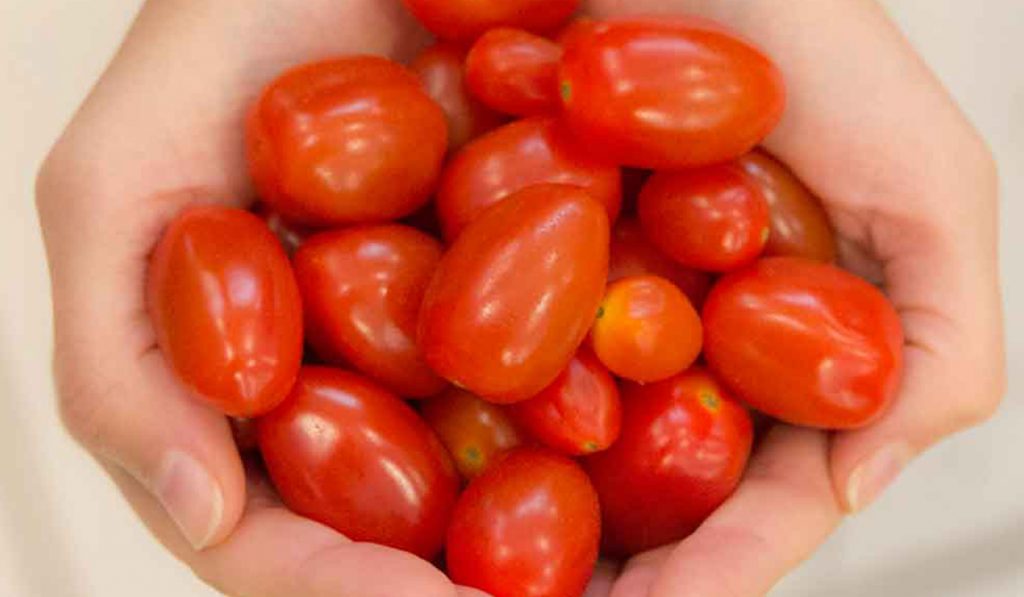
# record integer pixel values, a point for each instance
(952, 526)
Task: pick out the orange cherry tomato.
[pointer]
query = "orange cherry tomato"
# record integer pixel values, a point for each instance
(511, 158)
(466, 20)
(667, 92)
(633, 255)
(362, 288)
(474, 430)
(804, 342)
(515, 72)
(683, 449)
(799, 224)
(513, 297)
(348, 140)
(528, 527)
(713, 218)
(441, 68)
(646, 329)
(349, 454)
(579, 413)
(225, 309)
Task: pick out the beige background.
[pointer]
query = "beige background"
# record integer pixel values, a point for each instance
(952, 526)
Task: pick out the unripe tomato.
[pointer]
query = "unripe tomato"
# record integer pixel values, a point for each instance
(515, 72)
(467, 19)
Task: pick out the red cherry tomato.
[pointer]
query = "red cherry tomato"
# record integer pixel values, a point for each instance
(362, 288)
(441, 69)
(579, 413)
(578, 25)
(244, 433)
(467, 19)
(347, 140)
(515, 72)
(513, 297)
(668, 92)
(713, 218)
(646, 329)
(226, 310)
(474, 430)
(633, 255)
(290, 234)
(804, 342)
(347, 453)
(528, 527)
(683, 449)
(511, 158)
(799, 224)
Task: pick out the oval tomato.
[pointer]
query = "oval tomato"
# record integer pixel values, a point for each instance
(579, 413)
(632, 254)
(362, 288)
(346, 453)
(668, 92)
(225, 309)
(513, 297)
(804, 342)
(682, 451)
(467, 19)
(799, 224)
(646, 329)
(511, 158)
(440, 67)
(514, 72)
(528, 527)
(474, 430)
(713, 218)
(348, 140)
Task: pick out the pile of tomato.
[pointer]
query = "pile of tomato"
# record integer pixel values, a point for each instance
(512, 302)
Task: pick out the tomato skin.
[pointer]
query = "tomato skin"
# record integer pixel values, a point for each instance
(804, 342)
(515, 72)
(628, 89)
(464, 20)
(513, 297)
(349, 454)
(440, 67)
(713, 218)
(362, 288)
(646, 329)
(578, 413)
(511, 158)
(225, 309)
(632, 254)
(348, 140)
(528, 527)
(683, 449)
(799, 225)
(290, 234)
(475, 431)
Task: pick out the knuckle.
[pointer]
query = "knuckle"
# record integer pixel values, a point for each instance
(82, 401)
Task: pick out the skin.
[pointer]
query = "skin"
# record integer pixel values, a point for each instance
(515, 72)
(911, 190)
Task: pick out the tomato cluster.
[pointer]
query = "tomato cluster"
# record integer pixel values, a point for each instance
(504, 320)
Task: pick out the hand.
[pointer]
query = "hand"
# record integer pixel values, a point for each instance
(912, 192)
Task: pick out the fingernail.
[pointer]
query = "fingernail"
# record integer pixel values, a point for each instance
(874, 474)
(190, 496)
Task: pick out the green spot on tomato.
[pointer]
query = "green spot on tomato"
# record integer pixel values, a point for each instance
(590, 446)
(600, 312)
(710, 401)
(765, 233)
(473, 454)
(565, 90)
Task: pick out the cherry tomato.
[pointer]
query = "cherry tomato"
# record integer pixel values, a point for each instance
(348, 140)
(713, 218)
(474, 430)
(668, 92)
(515, 72)
(441, 68)
(290, 234)
(225, 309)
(683, 449)
(528, 527)
(349, 454)
(633, 255)
(244, 433)
(511, 158)
(577, 25)
(465, 20)
(513, 297)
(362, 288)
(646, 329)
(799, 224)
(579, 413)
(804, 342)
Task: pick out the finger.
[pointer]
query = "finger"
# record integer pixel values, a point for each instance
(600, 585)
